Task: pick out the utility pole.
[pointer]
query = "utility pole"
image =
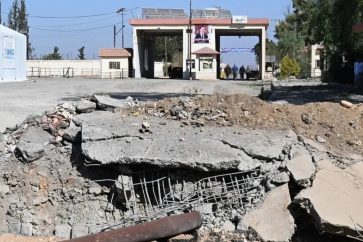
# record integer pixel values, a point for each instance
(114, 36)
(122, 10)
(166, 50)
(166, 56)
(122, 31)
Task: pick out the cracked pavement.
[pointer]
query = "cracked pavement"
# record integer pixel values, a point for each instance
(201, 148)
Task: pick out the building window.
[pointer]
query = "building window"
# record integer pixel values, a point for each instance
(317, 64)
(205, 63)
(114, 65)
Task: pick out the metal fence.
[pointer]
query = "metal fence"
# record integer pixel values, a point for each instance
(70, 72)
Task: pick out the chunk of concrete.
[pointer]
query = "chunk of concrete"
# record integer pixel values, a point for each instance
(63, 231)
(261, 144)
(95, 190)
(4, 189)
(101, 125)
(32, 144)
(212, 149)
(203, 153)
(85, 106)
(2, 147)
(272, 221)
(335, 199)
(26, 229)
(15, 228)
(79, 231)
(108, 103)
(73, 133)
(302, 169)
(206, 208)
(228, 226)
(281, 178)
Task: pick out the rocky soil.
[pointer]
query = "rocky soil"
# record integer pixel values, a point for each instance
(73, 171)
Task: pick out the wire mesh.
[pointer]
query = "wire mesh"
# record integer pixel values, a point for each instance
(153, 195)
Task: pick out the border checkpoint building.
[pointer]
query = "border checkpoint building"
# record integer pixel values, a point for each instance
(201, 32)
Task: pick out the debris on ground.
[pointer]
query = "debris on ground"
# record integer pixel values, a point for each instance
(102, 163)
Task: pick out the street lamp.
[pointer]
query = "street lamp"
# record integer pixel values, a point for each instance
(115, 33)
(122, 10)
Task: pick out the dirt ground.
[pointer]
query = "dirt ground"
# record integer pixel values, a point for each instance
(17, 238)
(338, 128)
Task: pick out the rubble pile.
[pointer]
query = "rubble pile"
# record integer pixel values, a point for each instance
(103, 163)
(337, 126)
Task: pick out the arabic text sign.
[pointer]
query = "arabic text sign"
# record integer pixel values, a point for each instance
(9, 52)
(236, 50)
(239, 19)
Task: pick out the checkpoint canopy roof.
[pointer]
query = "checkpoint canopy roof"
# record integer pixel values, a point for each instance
(152, 13)
(178, 17)
(206, 51)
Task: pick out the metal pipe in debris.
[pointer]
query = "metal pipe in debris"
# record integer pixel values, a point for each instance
(163, 228)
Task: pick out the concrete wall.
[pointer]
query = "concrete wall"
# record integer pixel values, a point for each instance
(45, 68)
(315, 70)
(106, 72)
(78, 68)
(12, 55)
(159, 69)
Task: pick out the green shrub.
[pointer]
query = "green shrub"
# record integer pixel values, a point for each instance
(289, 67)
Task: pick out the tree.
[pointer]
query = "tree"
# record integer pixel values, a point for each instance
(169, 45)
(271, 49)
(22, 22)
(53, 56)
(22, 17)
(332, 25)
(290, 44)
(298, 19)
(327, 22)
(81, 54)
(289, 67)
(13, 16)
(18, 21)
(0, 14)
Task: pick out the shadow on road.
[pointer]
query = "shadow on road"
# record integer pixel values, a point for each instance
(301, 95)
(141, 96)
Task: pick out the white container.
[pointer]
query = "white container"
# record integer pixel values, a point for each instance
(12, 55)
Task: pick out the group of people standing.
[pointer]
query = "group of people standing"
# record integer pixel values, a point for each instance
(227, 71)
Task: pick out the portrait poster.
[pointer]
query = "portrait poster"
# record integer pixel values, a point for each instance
(201, 34)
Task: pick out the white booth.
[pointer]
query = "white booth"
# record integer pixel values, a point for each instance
(12, 55)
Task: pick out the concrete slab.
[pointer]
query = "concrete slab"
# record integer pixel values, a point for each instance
(335, 199)
(272, 221)
(110, 138)
(302, 169)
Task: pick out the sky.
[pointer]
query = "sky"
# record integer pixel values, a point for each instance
(68, 24)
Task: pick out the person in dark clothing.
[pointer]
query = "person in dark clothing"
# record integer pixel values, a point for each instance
(228, 71)
(248, 72)
(170, 70)
(242, 71)
(234, 71)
